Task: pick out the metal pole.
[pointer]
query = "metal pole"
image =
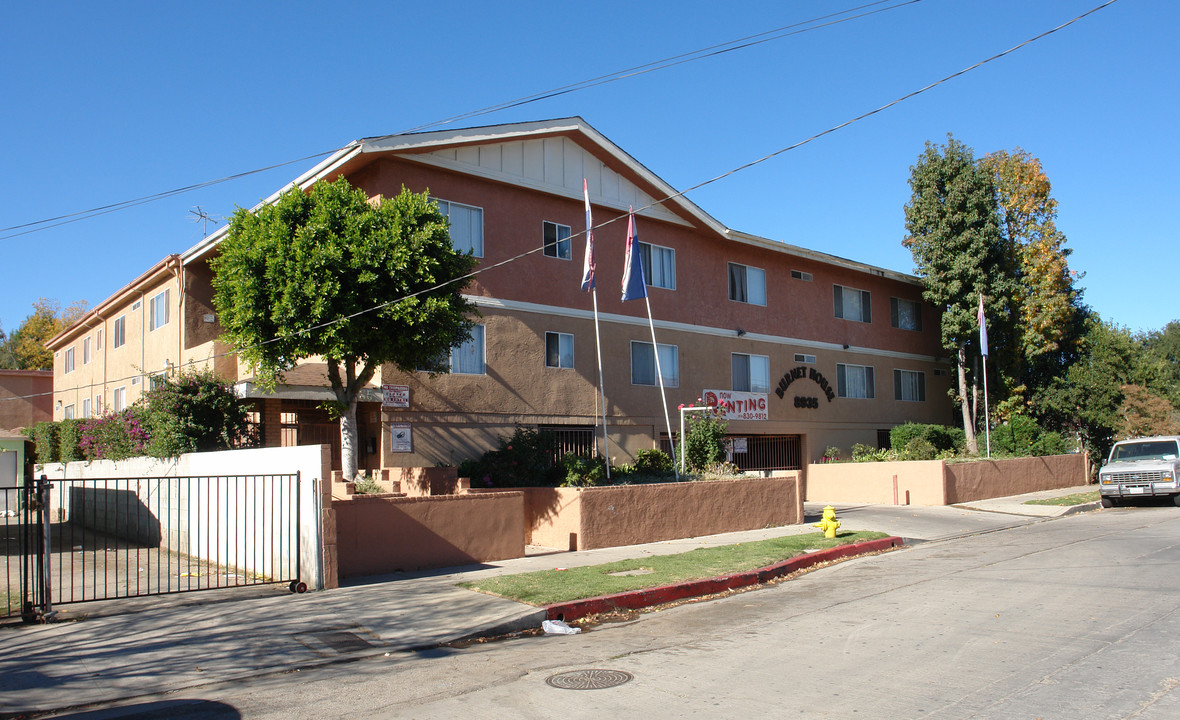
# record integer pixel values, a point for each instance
(601, 387)
(655, 350)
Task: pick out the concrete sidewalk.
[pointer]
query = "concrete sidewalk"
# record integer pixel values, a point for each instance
(122, 649)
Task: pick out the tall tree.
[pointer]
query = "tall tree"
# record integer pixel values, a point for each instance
(25, 348)
(356, 281)
(953, 227)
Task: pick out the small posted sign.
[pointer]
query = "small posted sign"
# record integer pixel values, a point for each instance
(396, 396)
(402, 437)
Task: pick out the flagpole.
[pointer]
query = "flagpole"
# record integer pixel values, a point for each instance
(601, 385)
(660, 379)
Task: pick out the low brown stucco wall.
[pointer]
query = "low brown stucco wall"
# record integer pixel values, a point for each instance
(425, 481)
(919, 482)
(967, 482)
(376, 535)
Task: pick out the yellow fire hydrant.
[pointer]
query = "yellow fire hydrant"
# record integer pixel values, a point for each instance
(829, 523)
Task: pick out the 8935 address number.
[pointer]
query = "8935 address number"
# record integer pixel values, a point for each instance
(806, 402)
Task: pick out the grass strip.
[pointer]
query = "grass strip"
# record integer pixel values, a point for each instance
(545, 587)
(1075, 499)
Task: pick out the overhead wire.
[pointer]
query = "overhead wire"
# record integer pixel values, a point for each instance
(615, 219)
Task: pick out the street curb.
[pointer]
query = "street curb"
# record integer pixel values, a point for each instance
(1086, 507)
(635, 599)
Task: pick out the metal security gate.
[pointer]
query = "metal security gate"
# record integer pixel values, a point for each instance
(20, 545)
(104, 538)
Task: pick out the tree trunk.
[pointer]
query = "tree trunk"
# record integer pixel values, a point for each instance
(965, 403)
(348, 440)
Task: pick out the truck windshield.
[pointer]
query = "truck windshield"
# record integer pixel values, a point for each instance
(1155, 450)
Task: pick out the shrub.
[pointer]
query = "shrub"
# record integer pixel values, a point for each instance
(1022, 436)
(197, 411)
(653, 462)
(46, 442)
(832, 454)
(69, 435)
(704, 441)
(942, 437)
(582, 472)
(868, 453)
(919, 448)
(115, 436)
(524, 459)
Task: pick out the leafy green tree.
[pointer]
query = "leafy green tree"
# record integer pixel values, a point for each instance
(953, 227)
(1163, 347)
(360, 283)
(704, 440)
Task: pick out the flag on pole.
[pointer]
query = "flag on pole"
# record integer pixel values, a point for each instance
(982, 329)
(588, 264)
(634, 286)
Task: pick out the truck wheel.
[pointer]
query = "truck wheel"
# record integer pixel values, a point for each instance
(1107, 502)
(1176, 500)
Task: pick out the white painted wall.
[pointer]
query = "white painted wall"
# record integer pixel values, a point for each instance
(227, 517)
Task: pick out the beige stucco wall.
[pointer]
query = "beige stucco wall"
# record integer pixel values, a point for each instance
(918, 483)
(376, 535)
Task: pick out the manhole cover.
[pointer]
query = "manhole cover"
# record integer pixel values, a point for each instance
(588, 679)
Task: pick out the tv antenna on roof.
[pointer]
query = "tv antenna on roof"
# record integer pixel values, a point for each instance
(204, 218)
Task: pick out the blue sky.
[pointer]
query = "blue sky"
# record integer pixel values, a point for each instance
(105, 102)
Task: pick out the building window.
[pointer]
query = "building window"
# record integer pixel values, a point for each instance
(751, 373)
(135, 380)
(556, 239)
(85, 353)
(855, 381)
(905, 314)
(98, 404)
(643, 364)
(852, 304)
(466, 226)
(85, 407)
(468, 358)
(159, 311)
(800, 275)
(68, 362)
(909, 385)
(120, 331)
(802, 358)
(747, 284)
(559, 350)
(155, 381)
(119, 401)
(98, 341)
(69, 412)
(660, 264)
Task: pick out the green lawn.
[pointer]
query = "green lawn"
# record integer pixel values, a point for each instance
(551, 586)
(1075, 499)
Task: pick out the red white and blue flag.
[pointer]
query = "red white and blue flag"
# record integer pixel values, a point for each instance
(588, 263)
(634, 286)
(982, 329)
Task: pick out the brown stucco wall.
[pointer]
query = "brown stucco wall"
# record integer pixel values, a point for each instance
(919, 482)
(425, 481)
(376, 535)
(25, 398)
(984, 479)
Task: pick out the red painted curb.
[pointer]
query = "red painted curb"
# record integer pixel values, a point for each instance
(647, 597)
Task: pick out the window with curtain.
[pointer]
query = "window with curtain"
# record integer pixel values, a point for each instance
(468, 358)
(751, 373)
(909, 385)
(852, 304)
(660, 263)
(466, 226)
(905, 314)
(643, 364)
(559, 350)
(747, 284)
(855, 381)
(556, 240)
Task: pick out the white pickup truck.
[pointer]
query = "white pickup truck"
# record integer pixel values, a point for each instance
(1141, 467)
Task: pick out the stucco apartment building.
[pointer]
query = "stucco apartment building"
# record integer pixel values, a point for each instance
(812, 350)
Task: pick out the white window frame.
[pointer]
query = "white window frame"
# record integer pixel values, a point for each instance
(669, 364)
(119, 399)
(159, 306)
(86, 350)
(663, 273)
(470, 357)
(98, 404)
(565, 350)
(895, 316)
(68, 412)
(555, 240)
(474, 239)
(805, 358)
(745, 290)
(800, 275)
(98, 340)
(68, 362)
(120, 338)
(840, 295)
(85, 407)
(753, 365)
(843, 386)
(917, 385)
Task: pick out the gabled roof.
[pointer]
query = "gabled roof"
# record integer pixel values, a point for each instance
(429, 147)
